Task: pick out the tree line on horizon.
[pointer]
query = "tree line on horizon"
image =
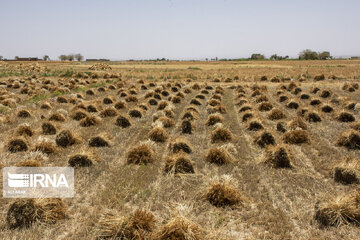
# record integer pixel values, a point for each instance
(71, 57)
(306, 54)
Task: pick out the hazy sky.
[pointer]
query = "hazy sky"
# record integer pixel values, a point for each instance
(178, 29)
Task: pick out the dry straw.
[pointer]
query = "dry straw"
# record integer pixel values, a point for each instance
(255, 125)
(123, 121)
(265, 106)
(24, 113)
(276, 114)
(190, 115)
(91, 108)
(46, 147)
(245, 108)
(218, 156)
(136, 112)
(58, 117)
(347, 171)
(108, 112)
(166, 122)
(195, 102)
(345, 117)
(340, 210)
(142, 154)
(221, 134)
(283, 98)
(78, 115)
(278, 156)
(158, 134)
(264, 138)
(138, 225)
(29, 163)
(120, 105)
(297, 123)
(180, 228)
(25, 130)
(89, 121)
(66, 138)
(217, 109)
(292, 105)
(247, 116)
(102, 140)
(19, 144)
(178, 164)
(24, 213)
(186, 127)
(214, 119)
(222, 192)
(312, 117)
(84, 158)
(327, 109)
(349, 139)
(180, 145)
(48, 128)
(296, 137)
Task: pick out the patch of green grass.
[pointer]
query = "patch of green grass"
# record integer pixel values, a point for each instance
(58, 73)
(80, 89)
(128, 76)
(150, 77)
(4, 74)
(37, 98)
(68, 73)
(194, 68)
(4, 109)
(165, 77)
(100, 84)
(191, 76)
(56, 93)
(14, 73)
(334, 66)
(170, 70)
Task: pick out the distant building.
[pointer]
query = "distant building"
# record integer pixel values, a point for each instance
(28, 59)
(97, 60)
(24, 59)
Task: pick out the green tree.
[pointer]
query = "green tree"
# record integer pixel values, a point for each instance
(16, 57)
(46, 58)
(274, 57)
(257, 56)
(1, 58)
(63, 57)
(70, 57)
(308, 54)
(325, 55)
(79, 57)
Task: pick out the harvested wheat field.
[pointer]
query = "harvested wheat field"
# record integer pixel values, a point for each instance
(186, 150)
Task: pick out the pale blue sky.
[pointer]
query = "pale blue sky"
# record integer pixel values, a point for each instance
(178, 29)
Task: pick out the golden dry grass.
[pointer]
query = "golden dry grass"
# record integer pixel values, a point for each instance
(132, 99)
